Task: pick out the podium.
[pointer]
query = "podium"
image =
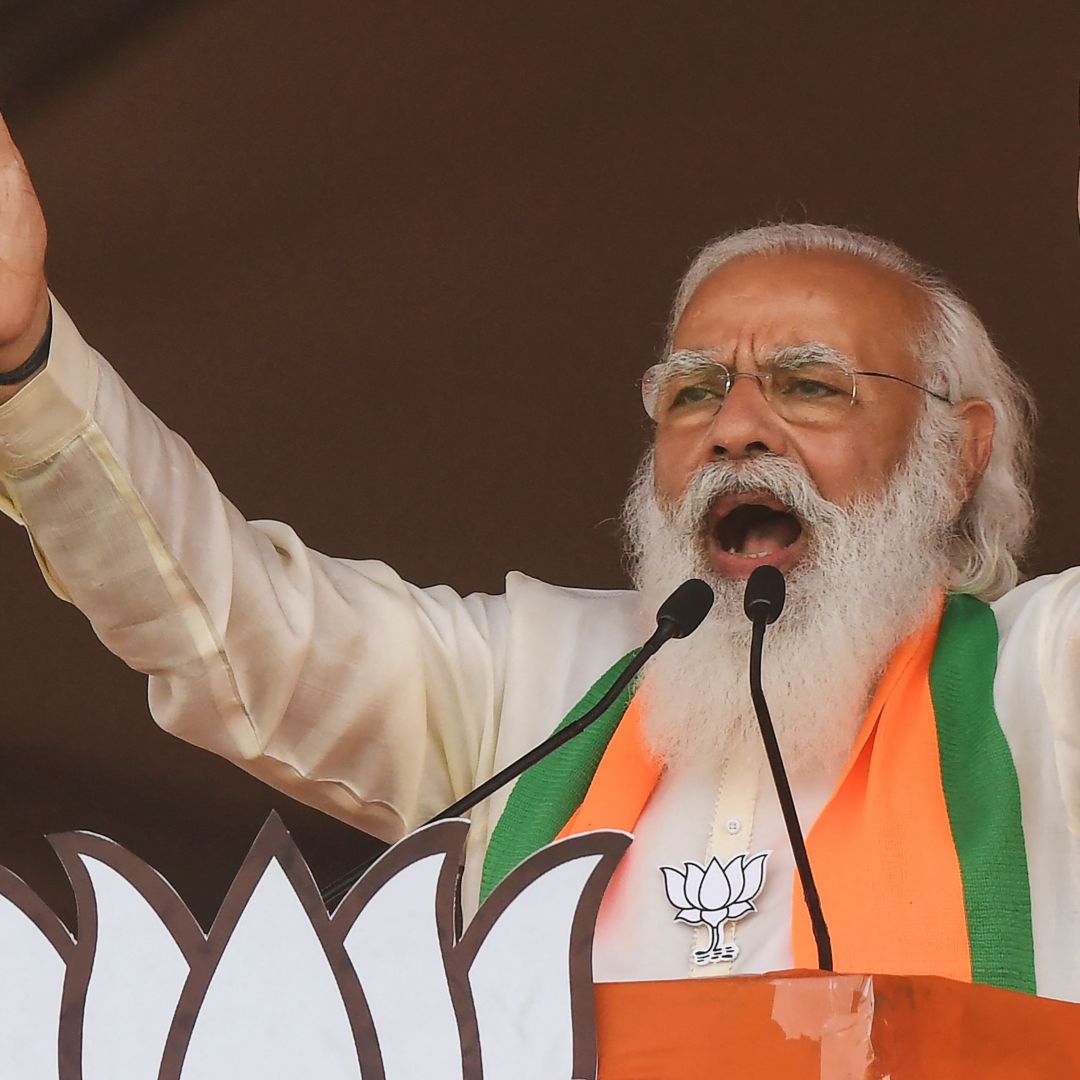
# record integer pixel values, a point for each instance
(385, 988)
(798, 1024)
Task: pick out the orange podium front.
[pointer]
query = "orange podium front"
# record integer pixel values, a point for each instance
(798, 1024)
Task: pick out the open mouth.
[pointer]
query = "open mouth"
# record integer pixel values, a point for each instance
(753, 527)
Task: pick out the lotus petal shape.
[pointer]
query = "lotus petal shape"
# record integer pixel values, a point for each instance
(715, 893)
(280, 988)
(36, 949)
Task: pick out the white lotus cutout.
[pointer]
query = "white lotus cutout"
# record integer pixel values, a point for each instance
(35, 950)
(279, 988)
(715, 895)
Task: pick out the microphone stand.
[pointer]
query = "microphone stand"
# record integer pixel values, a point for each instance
(678, 616)
(761, 615)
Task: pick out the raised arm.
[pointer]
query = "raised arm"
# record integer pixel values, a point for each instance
(331, 679)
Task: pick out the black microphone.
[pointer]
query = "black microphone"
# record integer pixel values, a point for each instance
(763, 601)
(764, 596)
(680, 614)
(684, 610)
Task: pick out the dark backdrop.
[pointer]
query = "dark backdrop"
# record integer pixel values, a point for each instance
(393, 269)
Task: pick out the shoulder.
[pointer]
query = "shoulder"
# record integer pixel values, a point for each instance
(536, 615)
(529, 598)
(1045, 603)
(522, 589)
(572, 625)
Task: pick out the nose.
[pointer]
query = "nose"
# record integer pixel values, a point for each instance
(745, 425)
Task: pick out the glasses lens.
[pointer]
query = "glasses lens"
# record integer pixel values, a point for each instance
(811, 393)
(683, 393)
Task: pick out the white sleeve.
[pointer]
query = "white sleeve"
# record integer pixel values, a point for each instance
(1038, 682)
(333, 680)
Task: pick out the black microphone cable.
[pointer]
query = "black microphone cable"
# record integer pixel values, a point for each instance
(763, 601)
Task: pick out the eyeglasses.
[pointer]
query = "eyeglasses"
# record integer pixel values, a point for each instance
(807, 384)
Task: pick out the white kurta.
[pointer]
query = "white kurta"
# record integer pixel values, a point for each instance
(380, 702)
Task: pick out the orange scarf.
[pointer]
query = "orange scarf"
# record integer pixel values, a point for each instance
(899, 906)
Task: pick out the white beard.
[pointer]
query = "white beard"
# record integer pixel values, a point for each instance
(868, 578)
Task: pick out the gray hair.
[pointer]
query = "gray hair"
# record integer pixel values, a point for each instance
(958, 360)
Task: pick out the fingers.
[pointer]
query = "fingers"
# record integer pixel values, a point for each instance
(16, 188)
(23, 297)
(9, 152)
(22, 227)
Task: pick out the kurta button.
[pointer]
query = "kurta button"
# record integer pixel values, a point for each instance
(733, 825)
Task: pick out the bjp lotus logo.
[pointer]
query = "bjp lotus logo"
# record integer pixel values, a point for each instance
(714, 895)
(384, 987)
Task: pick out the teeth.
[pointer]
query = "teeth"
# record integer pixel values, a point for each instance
(747, 554)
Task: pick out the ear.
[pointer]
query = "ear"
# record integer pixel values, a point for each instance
(977, 417)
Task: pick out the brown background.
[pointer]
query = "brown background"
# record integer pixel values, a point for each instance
(394, 268)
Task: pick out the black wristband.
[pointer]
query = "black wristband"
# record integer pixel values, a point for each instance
(34, 363)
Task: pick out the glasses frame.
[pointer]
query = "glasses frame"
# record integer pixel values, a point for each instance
(906, 382)
(760, 377)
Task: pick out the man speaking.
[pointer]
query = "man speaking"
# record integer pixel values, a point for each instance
(823, 405)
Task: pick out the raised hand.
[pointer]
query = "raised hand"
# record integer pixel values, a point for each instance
(24, 302)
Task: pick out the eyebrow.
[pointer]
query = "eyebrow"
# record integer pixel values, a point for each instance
(685, 360)
(790, 356)
(810, 352)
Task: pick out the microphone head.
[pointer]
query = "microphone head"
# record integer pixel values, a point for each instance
(764, 597)
(683, 611)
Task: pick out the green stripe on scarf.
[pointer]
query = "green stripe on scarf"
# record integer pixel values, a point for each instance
(543, 798)
(982, 794)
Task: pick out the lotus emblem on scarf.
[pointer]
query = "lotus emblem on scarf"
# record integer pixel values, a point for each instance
(714, 895)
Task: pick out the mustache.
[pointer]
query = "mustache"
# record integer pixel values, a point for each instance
(777, 476)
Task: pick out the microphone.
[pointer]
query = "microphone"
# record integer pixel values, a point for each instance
(763, 601)
(679, 615)
(685, 609)
(764, 596)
